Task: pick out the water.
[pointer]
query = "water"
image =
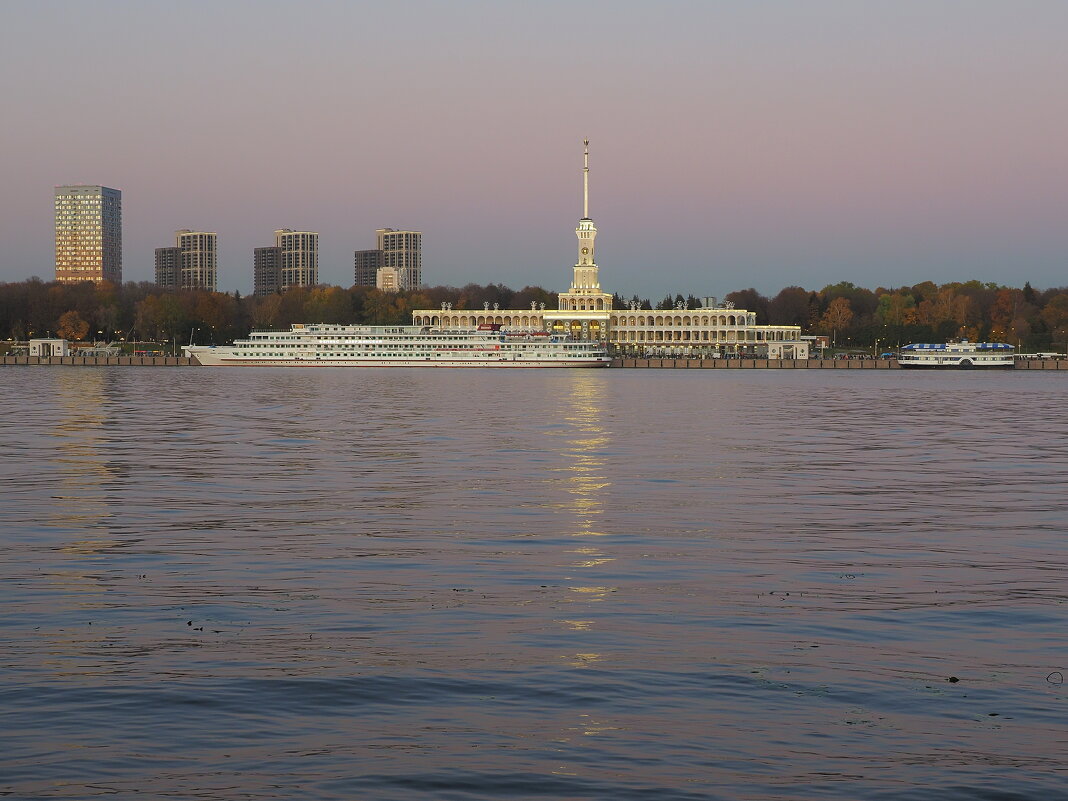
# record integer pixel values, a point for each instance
(397, 584)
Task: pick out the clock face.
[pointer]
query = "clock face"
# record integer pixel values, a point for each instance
(585, 251)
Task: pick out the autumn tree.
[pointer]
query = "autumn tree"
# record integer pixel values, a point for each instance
(71, 326)
(264, 311)
(1055, 316)
(328, 305)
(838, 316)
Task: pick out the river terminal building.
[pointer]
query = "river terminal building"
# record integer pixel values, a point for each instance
(585, 311)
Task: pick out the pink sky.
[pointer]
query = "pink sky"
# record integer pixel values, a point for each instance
(732, 143)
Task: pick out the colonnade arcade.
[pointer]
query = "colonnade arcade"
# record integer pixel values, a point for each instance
(509, 318)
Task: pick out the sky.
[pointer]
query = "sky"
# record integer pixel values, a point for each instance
(732, 144)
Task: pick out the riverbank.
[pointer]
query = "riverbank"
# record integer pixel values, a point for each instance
(669, 364)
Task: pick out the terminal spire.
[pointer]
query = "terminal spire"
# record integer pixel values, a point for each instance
(586, 180)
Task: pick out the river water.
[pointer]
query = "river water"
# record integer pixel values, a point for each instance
(586, 584)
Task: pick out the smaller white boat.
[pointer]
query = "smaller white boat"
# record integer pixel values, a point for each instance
(963, 355)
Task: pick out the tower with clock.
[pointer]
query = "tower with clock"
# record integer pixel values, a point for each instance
(585, 295)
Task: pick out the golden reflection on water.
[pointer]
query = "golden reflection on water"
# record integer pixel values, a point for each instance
(80, 467)
(585, 481)
(585, 472)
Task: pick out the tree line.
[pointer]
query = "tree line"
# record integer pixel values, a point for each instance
(1031, 320)
(143, 312)
(852, 316)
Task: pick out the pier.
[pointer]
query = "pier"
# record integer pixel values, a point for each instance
(803, 364)
(104, 361)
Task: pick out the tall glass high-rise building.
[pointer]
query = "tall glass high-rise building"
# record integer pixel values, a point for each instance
(88, 234)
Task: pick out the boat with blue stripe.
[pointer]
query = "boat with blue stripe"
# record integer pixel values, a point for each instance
(963, 355)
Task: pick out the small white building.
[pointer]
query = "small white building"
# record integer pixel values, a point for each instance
(49, 347)
(788, 350)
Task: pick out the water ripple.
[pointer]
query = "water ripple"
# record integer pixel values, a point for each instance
(592, 584)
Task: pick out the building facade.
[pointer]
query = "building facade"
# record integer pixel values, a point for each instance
(88, 229)
(200, 259)
(168, 267)
(366, 265)
(404, 251)
(266, 270)
(585, 311)
(389, 279)
(193, 262)
(298, 257)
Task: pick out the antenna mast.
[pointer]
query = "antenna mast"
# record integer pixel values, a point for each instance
(586, 180)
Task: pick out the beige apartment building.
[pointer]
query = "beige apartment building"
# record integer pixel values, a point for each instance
(396, 263)
(402, 250)
(88, 229)
(292, 261)
(298, 258)
(193, 262)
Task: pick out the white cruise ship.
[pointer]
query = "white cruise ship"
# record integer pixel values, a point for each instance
(326, 345)
(962, 355)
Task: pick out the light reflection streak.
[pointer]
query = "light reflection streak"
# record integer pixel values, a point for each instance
(586, 478)
(80, 468)
(585, 483)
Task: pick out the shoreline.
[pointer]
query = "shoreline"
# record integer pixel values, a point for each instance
(618, 362)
